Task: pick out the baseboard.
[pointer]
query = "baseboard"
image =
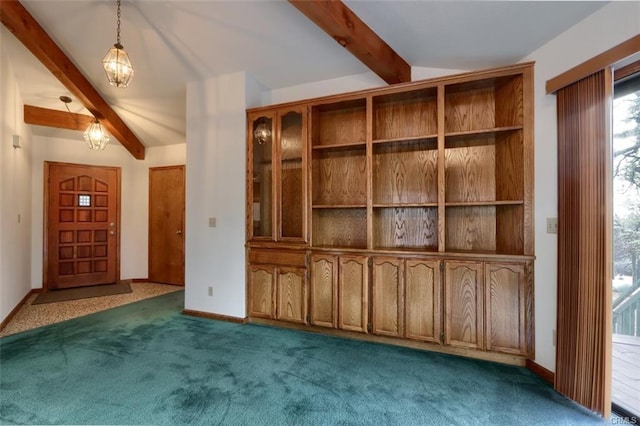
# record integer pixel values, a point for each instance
(139, 280)
(539, 370)
(15, 310)
(214, 316)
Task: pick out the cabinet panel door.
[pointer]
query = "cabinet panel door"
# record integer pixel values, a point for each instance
(463, 304)
(505, 297)
(292, 295)
(260, 176)
(261, 291)
(353, 298)
(423, 300)
(388, 297)
(324, 291)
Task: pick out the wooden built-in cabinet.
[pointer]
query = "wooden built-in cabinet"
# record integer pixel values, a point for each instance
(409, 208)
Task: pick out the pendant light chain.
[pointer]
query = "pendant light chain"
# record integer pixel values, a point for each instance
(118, 34)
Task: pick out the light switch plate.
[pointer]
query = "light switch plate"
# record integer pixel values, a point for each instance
(552, 225)
(212, 222)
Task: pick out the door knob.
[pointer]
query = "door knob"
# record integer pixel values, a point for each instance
(179, 232)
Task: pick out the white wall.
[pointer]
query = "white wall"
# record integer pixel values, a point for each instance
(216, 189)
(611, 25)
(134, 196)
(15, 193)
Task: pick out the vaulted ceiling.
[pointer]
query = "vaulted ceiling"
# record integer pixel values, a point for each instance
(173, 42)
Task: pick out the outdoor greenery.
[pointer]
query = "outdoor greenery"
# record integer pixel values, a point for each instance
(626, 175)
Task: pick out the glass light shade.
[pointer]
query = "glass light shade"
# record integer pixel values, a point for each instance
(117, 65)
(96, 136)
(262, 132)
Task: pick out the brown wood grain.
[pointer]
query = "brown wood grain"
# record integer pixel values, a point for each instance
(470, 169)
(262, 291)
(54, 118)
(469, 106)
(388, 296)
(406, 227)
(324, 291)
(340, 227)
(471, 228)
(510, 229)
(405, 114)
(277, 257)
(339, 123)
(405, 172)
(353, 294)
(340, 177)
(463, 304)
(423, 311)
(505, 308)
(292, 295)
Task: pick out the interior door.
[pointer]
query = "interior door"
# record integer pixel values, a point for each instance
(166, 224)
(82, 233)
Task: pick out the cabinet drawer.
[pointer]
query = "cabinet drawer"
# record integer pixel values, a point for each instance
(278, 257)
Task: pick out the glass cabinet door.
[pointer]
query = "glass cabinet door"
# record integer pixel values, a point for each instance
(291, 143)
(262, 192)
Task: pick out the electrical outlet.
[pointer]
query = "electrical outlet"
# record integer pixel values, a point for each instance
(210, 291)
(552, 225)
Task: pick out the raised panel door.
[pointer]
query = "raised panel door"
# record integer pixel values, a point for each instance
(423, 320)
(463, 304)
(388, 297)
(324, 291)
(353, 300)
(261, 291)
(292, 295)
(505, 304)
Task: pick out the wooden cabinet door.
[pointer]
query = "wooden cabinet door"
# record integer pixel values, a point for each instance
(324, 291)
(423, 320)
(463, 304)
(353, 300)
(292, 295)
(505, 304)
(262, 291)
(388, 297)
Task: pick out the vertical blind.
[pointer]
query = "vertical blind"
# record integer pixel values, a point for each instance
(583, 353)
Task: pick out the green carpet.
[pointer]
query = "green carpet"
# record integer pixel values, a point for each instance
(146, 363)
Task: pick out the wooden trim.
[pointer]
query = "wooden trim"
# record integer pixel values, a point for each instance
(626, 71)
(346, 28)
(20, 304)
(595, 64)
(547, 375)
(403, 87)
(407, 343)
(55, 118)
(26, 29)
(217, 317)
(140, 280)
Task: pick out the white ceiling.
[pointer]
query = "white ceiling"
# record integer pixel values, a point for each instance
(173, 42)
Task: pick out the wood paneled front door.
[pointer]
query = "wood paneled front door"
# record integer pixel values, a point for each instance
(82, 212)
(166, 224)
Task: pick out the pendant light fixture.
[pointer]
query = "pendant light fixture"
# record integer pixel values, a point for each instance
(116, 62)
(96, 136)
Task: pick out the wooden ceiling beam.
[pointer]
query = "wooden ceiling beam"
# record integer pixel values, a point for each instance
(344, 26)
(55, 118)
(26, 29)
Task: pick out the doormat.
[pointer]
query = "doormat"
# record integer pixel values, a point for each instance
(81, 293)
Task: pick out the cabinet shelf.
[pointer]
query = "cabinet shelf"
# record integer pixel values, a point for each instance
(432, 139)
(340, 146)
(403, 205)
(481, 132)
(339, 206)
(484, 203)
